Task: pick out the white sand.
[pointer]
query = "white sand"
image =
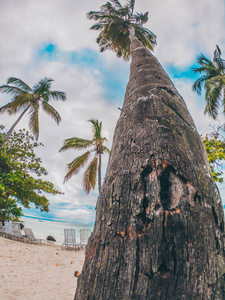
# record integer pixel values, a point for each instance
(39, 272)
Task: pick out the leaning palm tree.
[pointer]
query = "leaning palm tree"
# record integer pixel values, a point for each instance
(213, 80)
(29, 99)
(94, 167)
(115, 21)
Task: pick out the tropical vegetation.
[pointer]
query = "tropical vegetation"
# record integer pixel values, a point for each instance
(215, 148)
(212, 80)
(20, 172)
(29, 99)
(94, 167)
(114, 22)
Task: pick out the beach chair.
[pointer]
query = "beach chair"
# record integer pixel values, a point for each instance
(69, 240)
(1, 229)
(16, 232)
(30, 236)
(8, 229)
(84, 236)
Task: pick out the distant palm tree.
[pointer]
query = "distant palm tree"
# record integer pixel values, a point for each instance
(114, 22)
(90, 175)
(27, 99)
(213, 80)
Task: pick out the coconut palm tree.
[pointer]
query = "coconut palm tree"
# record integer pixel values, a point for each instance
(213, 80)
(115, 21)
(94, 167)
(29, 99)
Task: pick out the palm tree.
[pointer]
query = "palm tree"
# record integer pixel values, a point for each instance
(114, 22)
(94, 167)
(29, 99)
(213, 80)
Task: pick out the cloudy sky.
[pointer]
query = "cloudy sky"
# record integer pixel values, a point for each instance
(51, 38)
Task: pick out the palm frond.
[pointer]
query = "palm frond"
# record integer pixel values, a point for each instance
(21, 102)
(107, 150)
(6, 107)
(141, 18)
(90, 175)
(76, 165)
(218, 61)
(94, 15)
(97, 26)
(218, 51)
(197, 86)
(51, 111)
(17, 104)
(113, 22)
(43, 86)
(130, 4)
(19, 84)
(33, 120)
(116, 3)
(147, 37)
(96, 128)
(57, 95)
(75, 143)
(7, 89)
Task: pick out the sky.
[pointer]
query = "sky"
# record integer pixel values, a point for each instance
(51, 38)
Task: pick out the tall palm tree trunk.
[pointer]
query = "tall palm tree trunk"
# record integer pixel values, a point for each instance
(99, 172)
(159, 229)
(13, 126)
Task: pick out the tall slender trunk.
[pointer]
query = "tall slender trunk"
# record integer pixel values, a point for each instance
(13, 126)
(159, 229)
(99, 172)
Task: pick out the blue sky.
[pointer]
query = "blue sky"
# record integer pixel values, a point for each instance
(52, 38)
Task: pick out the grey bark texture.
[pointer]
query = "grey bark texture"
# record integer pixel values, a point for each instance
(159, 230)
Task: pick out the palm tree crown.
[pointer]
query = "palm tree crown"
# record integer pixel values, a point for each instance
(213, 81)
(94, 167)
(29, 99)
(114, 22)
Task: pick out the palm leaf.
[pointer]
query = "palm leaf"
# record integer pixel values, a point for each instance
(51, 111)
(147, 37)
(197, 86)
(76, 165)
(57, 95)
(5, 108)
(114, 22)
(21, 102)
(90, 175)
(19, 84)
(141, 18)
(107, 150)
(130, 4)
(75, 143)
(7, 89)
(43, 86)
(97, 26)
(96, 128)
(117, 4)
(33, 120)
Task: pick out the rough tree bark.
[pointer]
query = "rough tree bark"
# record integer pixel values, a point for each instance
(159, 230)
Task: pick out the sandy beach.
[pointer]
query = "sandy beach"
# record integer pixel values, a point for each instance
(39, 272)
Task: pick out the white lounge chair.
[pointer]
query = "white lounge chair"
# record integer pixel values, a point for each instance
(69, 240)
(8, 229)
(84, 236)
(30, 236)
(1, 229)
